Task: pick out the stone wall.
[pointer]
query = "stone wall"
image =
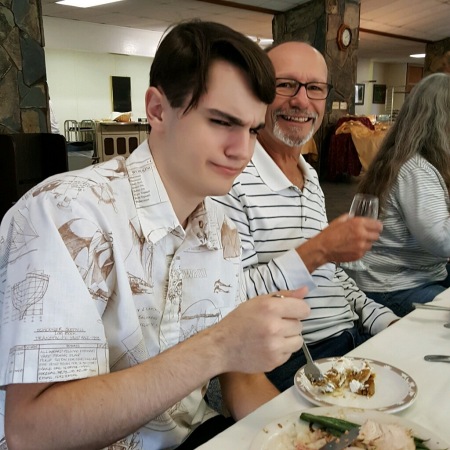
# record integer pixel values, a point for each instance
(23, 87)
(437, 56)
(317, 22)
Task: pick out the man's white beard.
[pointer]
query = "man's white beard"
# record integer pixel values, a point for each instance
(291, 141)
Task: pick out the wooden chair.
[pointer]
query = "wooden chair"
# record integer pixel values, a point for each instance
(27, 159)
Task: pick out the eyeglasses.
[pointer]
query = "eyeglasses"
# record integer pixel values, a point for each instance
(314, 89)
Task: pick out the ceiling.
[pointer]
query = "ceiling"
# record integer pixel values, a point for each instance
(419, 20)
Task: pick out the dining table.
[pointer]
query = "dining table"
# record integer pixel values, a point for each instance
(402, 345)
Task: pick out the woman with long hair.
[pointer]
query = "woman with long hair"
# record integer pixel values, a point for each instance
(411, 177)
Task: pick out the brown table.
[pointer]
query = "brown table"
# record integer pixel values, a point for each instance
(353, 146)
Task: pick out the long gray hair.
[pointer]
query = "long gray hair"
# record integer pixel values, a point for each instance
(422, 127)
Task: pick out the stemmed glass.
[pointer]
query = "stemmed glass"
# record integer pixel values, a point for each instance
(363, 205)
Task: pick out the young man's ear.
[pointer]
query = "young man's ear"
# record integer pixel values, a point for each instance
(154, 106)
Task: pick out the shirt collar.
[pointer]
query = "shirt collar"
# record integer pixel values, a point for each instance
(153, 206)
(272, 175)
(203, 225)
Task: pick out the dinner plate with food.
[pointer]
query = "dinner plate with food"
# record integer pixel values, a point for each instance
(315, 427)
(358, 383)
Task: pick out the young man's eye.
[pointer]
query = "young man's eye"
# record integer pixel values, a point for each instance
(254, 131)
(221, 122)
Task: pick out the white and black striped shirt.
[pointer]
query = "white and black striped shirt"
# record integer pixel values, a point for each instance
(415, 243)
(273, 218)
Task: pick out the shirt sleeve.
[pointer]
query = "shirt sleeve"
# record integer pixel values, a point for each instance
(422, 199)
(285, 272)
(373, 317)
(46, 305)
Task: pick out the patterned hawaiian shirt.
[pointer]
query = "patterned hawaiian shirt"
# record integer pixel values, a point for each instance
(97, 275)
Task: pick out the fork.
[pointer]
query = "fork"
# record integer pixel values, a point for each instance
(311, 369)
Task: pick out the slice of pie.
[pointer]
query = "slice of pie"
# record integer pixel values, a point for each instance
(348, 375)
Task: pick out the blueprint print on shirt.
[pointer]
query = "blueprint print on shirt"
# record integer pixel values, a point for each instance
(49, 352)
(134, 352)
(141, 284)
(189, 276)
(230, 241)
(56, 361)
(146, 190)
(91, 250)
(132, 442)
(69, 187)
(27, 295)
(199, 316)
(20, 234)
(125, 282)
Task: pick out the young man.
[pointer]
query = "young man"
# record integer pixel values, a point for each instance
(279, 209)
(121, 285)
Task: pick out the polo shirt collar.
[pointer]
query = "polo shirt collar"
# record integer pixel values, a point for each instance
(271, 174)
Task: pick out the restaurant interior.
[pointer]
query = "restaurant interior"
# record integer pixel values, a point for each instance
(97, 61)
(95, 66)
(81, 82)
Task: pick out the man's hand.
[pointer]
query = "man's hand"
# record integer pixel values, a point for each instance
(345, 239)
(262, 332)
(348, 239)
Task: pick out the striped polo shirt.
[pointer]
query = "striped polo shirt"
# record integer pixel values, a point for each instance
(274, 217)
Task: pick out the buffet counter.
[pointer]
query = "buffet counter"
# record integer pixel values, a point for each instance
(119, 138)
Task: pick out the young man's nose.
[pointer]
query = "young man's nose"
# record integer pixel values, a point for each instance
(242, 145)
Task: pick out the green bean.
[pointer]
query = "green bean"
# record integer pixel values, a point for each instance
(329, 422)
(333, 425)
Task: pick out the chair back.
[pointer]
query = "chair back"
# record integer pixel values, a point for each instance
(27, 159)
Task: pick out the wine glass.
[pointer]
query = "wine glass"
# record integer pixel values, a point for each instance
(363, 205)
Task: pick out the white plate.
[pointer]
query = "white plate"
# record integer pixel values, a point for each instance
(394, 389)
(274, 435)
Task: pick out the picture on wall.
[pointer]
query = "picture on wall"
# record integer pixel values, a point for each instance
(121, 93)
(379, 93)
(359, 94)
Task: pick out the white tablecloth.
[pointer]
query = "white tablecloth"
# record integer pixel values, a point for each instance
(403, 345)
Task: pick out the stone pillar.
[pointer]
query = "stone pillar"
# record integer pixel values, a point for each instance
(317, 22)
(437, 57)
(23, 86)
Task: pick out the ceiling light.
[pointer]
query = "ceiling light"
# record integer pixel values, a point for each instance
(86, 3)
(262, 42)
(418, 55)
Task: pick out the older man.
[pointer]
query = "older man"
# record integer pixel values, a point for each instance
(279, 209)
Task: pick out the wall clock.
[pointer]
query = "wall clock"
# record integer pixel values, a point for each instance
(344, 37)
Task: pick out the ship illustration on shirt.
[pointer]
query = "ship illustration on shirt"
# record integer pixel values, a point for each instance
(27, 294)
(20, 234)
(92, 253)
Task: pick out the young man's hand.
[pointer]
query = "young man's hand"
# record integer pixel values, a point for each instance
(263, 332)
